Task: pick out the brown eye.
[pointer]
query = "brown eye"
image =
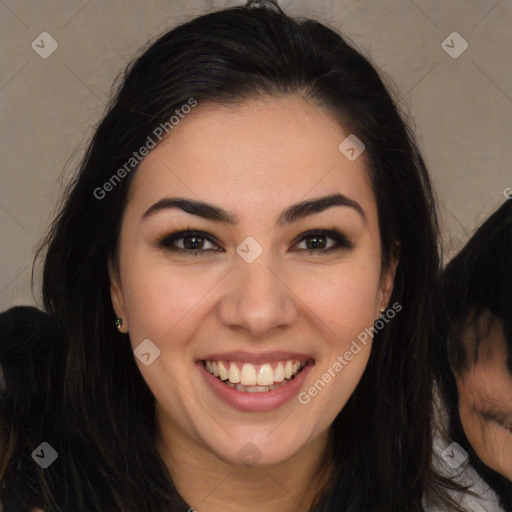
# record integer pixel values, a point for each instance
(319, 237)
(193, 242)
(190, 241)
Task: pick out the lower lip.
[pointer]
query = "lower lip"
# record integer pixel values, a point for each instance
(256, 402)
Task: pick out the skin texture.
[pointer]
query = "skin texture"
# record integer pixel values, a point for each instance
(255, 159)
(488, 386)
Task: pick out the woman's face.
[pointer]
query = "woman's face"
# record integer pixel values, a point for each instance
(255, 290)
(485, 399)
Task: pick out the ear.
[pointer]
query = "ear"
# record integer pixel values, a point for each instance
(387, 281)
(116, 295)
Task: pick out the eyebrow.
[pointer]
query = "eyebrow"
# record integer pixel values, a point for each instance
(291, 214)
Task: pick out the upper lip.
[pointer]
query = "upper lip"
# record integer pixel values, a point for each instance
(249, 357)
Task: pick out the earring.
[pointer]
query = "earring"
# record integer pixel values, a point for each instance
(382, 309)
(119, 323)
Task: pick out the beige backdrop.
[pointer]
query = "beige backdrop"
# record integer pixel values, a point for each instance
(461, 103)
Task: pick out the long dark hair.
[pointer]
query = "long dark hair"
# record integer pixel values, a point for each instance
(477, 281)
(381, 440)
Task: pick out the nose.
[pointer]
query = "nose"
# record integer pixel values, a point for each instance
(258, 302)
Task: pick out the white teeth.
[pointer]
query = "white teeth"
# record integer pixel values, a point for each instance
(265, 375)
(279, 373)
(248, 376)
(223, 373)
(288, 370)
(233, 374)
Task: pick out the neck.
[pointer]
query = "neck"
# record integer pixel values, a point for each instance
(209, 484)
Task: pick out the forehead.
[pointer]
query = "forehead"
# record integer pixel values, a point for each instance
(488, 380)
(264, 149)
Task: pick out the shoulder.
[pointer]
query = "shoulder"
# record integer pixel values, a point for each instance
(33, 510)
(451, 460)
(27, 337)
(32, 366)
(24, 327)
(20, 323)
(32, 362)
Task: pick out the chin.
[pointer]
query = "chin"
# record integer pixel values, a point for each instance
(258, 451)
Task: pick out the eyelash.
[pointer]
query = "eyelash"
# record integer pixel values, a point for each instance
(508, 428)
(166, 241)
(490, 418)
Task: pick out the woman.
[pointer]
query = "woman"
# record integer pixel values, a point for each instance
(282, 366)
(474, 354)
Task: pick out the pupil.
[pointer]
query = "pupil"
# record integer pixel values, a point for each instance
(193, 237)
(315, 244)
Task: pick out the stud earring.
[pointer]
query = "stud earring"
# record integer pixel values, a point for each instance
(382, 309)
(119, 323)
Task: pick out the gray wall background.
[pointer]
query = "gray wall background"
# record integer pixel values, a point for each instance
(461, 107)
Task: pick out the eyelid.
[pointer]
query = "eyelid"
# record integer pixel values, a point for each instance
(165, 239)
(332, 233)
(341, 240)
(492, 418)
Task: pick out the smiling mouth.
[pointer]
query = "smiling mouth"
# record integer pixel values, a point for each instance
(250, 378)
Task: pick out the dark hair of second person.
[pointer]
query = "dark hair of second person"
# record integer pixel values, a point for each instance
(473, 353)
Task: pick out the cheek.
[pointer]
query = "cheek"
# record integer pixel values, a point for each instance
(500, 442)
(170, 299)
(159, 297)
(491, 442)
(495, 449)
(346, 302)
(344, 298)
(155, 288)
(475, 430)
